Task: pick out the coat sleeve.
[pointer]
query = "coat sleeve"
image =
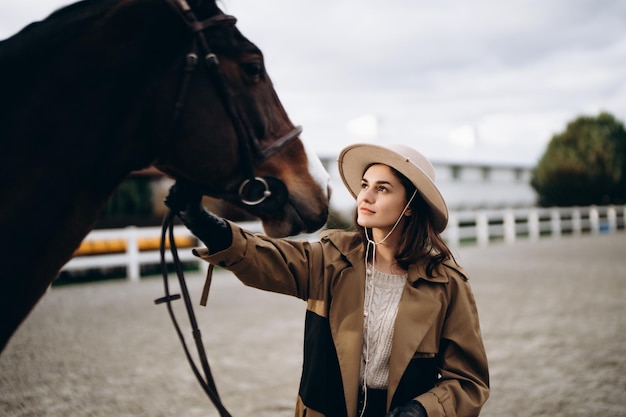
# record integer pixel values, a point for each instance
(463, 386)
(277, 265)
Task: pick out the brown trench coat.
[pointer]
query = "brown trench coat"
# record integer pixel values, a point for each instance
(437, 352)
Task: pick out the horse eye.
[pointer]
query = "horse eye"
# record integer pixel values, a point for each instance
(253, 69)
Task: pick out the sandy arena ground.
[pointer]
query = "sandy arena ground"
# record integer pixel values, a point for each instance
(553, 316)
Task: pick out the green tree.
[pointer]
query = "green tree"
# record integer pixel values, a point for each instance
(584, 165)
(132, 197)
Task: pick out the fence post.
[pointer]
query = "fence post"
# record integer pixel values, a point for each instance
(132, 252)
(611, 217)
(452, 231)
(555, 222)
(482, 228)
(509, 227)
(533, 224)
(594, 220)
(577, 224)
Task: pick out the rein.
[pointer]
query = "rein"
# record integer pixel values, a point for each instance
(250, 190)
(206, 381)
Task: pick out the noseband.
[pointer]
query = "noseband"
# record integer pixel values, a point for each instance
(248, 189)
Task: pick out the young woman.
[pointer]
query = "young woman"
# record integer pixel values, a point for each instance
(391, 326)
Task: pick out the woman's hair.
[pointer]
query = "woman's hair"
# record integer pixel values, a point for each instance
(419, 241)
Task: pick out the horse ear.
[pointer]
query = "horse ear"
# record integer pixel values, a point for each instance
(204, 8)
(202, 4)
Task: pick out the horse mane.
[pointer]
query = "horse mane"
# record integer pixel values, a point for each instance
(62, 27)
(28, 49)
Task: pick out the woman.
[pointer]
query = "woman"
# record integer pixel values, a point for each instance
(391, 326)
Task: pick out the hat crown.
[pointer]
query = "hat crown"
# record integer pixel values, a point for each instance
(416, 158)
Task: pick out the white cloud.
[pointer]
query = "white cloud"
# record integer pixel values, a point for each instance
(464, 137)
(364, 127)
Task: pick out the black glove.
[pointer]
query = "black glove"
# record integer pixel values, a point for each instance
(183, 196)
(411, 409)
(185, 200)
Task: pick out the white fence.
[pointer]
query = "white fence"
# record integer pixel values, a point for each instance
(480, 227)
(132, 258)
(486, 226)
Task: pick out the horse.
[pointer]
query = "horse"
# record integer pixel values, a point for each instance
(102, 88)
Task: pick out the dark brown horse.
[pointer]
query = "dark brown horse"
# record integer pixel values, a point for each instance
(105, 87)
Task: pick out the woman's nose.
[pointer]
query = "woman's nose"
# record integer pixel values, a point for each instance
(365, 195)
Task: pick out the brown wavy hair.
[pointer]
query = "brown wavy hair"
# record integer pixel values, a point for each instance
(419, 241)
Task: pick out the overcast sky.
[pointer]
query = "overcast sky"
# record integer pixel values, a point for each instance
(480, 81)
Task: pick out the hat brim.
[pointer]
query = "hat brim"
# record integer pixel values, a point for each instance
(354, 159)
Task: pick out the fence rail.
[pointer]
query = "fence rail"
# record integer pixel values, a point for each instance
(487, 226)
(132, 257)
(481, 227)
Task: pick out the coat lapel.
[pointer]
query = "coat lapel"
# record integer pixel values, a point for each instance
(417, 313)
(346, 324)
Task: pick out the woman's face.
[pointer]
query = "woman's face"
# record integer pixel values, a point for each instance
(381, 199)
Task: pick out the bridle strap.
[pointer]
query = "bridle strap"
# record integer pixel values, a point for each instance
(279, 144)
(199, 26)
(243, 132)
(251, 152)
(190, 64)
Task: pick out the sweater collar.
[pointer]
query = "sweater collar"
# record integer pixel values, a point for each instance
(351, 247)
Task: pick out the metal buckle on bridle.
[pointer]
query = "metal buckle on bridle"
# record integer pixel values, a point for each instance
(211, 60)
(246, 187)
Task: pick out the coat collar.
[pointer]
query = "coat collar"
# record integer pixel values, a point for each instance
(351, 247)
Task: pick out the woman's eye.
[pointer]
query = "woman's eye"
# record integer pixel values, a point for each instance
(253, 69)
(382, 189)
(363, 185)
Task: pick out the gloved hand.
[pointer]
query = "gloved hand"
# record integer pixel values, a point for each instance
(183, 196)
(411, 409)
(185, 200)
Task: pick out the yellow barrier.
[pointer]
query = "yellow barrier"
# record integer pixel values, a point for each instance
(102, 247)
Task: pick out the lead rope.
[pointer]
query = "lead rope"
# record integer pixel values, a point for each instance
(206, 381)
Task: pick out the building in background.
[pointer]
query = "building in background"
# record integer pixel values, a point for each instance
(464, 186)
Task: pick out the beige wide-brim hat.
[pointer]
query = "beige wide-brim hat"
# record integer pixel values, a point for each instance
(354, 159)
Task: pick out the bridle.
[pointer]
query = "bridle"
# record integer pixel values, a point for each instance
(248, 189)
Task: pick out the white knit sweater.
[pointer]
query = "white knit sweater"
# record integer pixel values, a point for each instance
(382, 297)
